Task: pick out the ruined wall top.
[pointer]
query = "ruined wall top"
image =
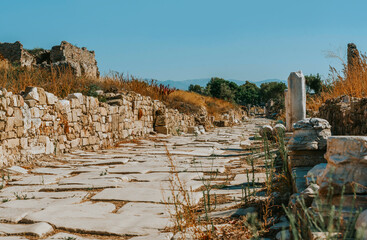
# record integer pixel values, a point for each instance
(15, 53)
(80, 60)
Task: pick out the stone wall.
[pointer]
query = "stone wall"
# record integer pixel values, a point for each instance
(346, 115)
(15, 53)
(37, 122)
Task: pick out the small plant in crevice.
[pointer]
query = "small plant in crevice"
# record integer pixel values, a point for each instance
(335, 219)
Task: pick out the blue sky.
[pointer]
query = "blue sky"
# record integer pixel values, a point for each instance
(189, 39)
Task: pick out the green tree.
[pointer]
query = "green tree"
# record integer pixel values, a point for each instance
(248, 93)
(313, 83)
(196, 88)
(220, 88)
(272, 90)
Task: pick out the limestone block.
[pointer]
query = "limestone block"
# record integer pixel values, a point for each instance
(10, 123)
(31, 93)
(310, 134)
(193, 130)
(35, 93)
(74, 103)
(51, 99)
(78, 96)
(305, 158)
(12, 143)
(3, 104)
(31, 102)
(24, 143)
(17, 113)
(103, 111)
(63, 106)
(315, 173)
(35, 112)
(160, 129)
(9, 112)
(347, 165)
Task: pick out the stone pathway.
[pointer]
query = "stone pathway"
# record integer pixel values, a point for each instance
(119, 193)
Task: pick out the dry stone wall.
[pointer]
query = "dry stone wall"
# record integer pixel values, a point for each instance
(38, 123)
(346, 115)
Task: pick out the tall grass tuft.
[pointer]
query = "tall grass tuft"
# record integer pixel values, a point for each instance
(351, 81)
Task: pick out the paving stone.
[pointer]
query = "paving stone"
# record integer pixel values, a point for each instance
(17, 169)
(67, 236)
(36, 180)
(36, 229)
(139, 194)
(54, 171)
(38, 204)
(13, 215)
(98, 219)
(244, 178)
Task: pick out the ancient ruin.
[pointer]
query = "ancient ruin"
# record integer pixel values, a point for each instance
(296, 98)
(80, 60)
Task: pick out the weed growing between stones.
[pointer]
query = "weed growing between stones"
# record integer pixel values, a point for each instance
(197, 221)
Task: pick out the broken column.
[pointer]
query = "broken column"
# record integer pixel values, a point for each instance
(296, 98)
(308, 143)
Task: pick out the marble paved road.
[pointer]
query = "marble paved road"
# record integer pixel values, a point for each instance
(118, 192)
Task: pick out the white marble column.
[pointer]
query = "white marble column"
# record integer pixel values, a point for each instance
(296, 97)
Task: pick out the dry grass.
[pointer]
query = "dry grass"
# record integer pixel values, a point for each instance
(191, 101)
(62, 82)
(351, 81)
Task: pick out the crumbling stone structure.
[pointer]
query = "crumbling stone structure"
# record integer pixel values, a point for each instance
(80, 60)
(15, 53)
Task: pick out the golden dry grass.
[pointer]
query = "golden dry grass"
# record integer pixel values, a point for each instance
(62, 82)
(352, 81)
(194, 101)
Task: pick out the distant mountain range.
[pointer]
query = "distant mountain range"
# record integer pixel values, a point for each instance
(184, 85)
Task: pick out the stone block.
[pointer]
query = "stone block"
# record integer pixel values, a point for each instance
(347, 165)
(161, 129)
(306, 158)
(310, 134)
(78, 96)
(51, 99)
(12, 143)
